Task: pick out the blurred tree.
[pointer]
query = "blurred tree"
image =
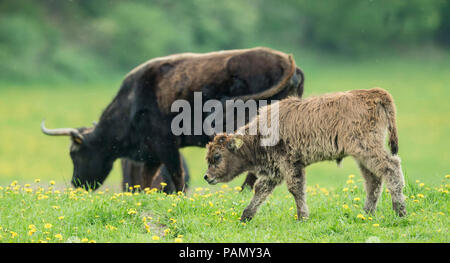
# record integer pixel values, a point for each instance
(82, 40)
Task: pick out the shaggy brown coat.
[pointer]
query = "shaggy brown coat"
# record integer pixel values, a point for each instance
(327, 127)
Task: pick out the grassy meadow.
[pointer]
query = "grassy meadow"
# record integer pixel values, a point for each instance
(38, 205)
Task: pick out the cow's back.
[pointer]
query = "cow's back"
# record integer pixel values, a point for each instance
(230, 74)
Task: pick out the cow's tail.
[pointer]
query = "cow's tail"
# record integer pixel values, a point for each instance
(288, 73)
(389, 107)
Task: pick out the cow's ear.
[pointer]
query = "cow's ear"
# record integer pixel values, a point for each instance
(235, 143)
(77, 137)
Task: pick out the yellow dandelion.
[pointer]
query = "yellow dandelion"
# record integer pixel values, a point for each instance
(84, 240)
(199, 189)
(420, 195)
(92, 241)
(421, 184)
(52, 182)
(356, 199)
(447, 176)
(360, 216)
(351, 176)
(350, 181)
(48, 226)
(345, 189)
(224, 186)
(132, 211)
(13, 234)
(58, 236)
(376, 225)
(238, 188)
(37, 180)
(178, 240)
(163, 184)
(30, 227)
(211, 204)
(345, 206)
(415, 201)
(155, 238)
(137, 186)
(60, 217)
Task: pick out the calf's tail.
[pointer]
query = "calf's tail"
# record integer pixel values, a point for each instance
(388, 104)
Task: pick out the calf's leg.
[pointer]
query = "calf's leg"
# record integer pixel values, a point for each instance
(296, 184)
(373, 186)
(388, 167)
(249, 181)
(263, 188)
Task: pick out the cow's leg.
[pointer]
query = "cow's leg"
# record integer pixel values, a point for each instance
(296, 184)
(168, 153)
(249, 181)
(263, 188)
(150, 171)
(374, 186)
(135, 173)
(127, 173)
(388, 167)
(161, 141)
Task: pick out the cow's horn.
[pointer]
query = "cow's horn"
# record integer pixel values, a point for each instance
(60, 131)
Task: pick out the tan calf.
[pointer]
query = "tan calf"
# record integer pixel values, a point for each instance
(327, 127)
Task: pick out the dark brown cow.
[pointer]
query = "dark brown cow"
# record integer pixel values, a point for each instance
(137, 123)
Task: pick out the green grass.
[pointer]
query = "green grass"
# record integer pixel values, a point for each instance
(418, 83)
(48, 215)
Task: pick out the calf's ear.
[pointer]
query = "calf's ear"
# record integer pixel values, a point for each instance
(234, 143)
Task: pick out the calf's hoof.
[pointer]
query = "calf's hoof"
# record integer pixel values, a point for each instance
(369, 211)
(246, 216)
(402, 213)
(400, 209)
(301, 216)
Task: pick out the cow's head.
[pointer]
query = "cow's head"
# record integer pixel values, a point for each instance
(224, 162)
(91, 161)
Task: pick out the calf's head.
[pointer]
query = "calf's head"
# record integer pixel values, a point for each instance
(224, 162)
(91, 163)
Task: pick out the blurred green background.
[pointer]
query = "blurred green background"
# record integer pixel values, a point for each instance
(64, 60)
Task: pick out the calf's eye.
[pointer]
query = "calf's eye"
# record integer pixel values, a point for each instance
(216, 157)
